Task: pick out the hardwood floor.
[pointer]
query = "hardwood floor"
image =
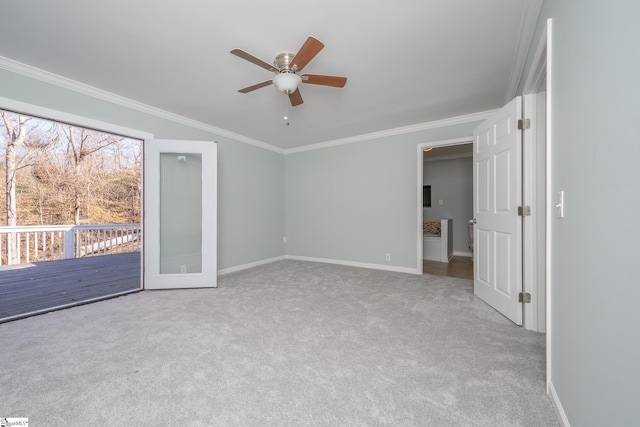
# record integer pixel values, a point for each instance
(459, 266)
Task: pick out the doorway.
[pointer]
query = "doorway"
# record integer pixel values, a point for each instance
(449, 184)
(76, 230)
(534, 186)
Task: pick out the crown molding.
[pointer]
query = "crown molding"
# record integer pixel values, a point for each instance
(528, 26)
(66, 83)
(483, 115)
(39, 111)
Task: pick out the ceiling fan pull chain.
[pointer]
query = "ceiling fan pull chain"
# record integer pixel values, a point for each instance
(286, 110)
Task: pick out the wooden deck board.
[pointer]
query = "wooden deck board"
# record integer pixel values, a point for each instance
(42, 285)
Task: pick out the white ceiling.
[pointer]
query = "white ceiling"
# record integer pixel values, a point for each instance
(407, 61)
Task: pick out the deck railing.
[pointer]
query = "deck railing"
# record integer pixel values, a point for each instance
(20, 245)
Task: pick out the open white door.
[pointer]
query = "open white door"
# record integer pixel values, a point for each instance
(497, 171)
(180, 220)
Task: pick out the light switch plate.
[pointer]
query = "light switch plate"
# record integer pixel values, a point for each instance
(560, 204)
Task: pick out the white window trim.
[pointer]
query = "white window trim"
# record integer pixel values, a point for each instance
(60, 116)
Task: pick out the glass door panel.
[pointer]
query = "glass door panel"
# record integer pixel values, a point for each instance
(180, 214)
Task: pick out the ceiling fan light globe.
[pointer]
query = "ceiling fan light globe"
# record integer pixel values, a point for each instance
(287, 82)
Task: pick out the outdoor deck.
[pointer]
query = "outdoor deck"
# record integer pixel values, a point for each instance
(40, 286)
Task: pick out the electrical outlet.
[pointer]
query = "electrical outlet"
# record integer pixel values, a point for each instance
(183, 268)
(284, 239)
(387, 257)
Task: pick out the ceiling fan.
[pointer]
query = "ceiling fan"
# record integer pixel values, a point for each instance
(287, 66)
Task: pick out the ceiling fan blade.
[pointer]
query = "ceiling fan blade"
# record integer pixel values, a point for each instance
(307, 52)
(320, 79)
(245, 55)
(295, 98)
(255, 86)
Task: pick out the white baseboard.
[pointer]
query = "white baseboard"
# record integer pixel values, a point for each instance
(356, 264)
(562, 416)
(249, 265)
(322, 260)
(463, 253)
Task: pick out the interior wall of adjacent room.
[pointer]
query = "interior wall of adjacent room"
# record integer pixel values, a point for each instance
(451, 181)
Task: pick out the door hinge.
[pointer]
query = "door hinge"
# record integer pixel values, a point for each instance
(524, 124)
(524, 297)
(524, 210)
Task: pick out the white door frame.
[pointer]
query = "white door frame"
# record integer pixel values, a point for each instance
(539, 80)
(535, 152)
(534, 183)
(420, 183)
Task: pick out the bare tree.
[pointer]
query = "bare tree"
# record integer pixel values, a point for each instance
(82, 143)
(61, 174)
(16, 136)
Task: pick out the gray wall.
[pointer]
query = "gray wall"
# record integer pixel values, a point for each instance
(358, 202)
(355, 202)
(595, 151)
(250, 179)
(452, 182)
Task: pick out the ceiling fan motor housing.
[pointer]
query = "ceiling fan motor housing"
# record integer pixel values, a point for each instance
(287, 80)
(283, 60)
